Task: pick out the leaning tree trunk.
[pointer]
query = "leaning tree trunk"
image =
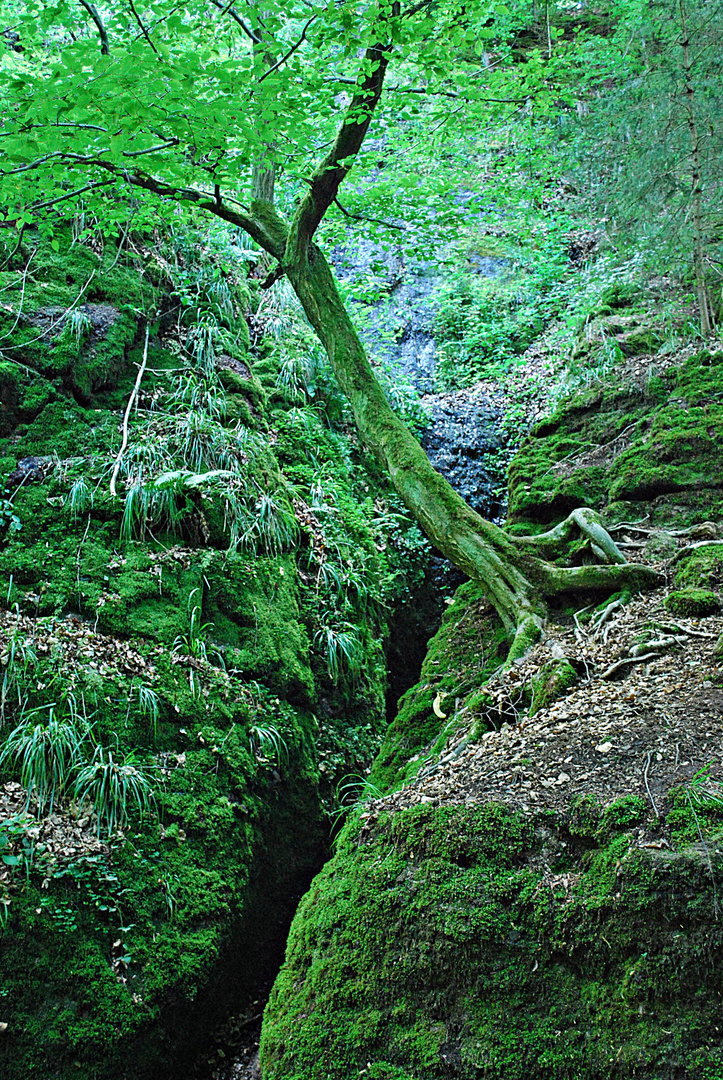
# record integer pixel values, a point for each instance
(515, 574)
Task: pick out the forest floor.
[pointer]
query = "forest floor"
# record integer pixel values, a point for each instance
(629, 726)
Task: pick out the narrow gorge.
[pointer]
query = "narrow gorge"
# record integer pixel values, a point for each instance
(361, 540)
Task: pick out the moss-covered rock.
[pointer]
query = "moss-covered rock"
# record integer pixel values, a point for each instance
(208, 664)
(455, 937)
(621, 446)
(473, 941)
(469, 645)
(692, 602)
(701, 567)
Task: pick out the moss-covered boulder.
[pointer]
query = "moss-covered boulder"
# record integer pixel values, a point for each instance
(626, 446)
(473, 941)
(460, 930)
(693, 602)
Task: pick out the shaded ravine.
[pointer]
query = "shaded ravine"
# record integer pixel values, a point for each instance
(462, 435)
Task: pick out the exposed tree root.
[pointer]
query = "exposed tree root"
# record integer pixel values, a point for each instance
(693, 547)
(588, 523)
(614, 668)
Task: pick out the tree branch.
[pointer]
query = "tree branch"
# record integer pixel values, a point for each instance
(292, 50)
(228, 10)
(142, 28)
(152, 149)
(68, 195)
(270, 233)
(325, 182)
(362, 217)
(93, 12)
(126, 417)
(416, 8)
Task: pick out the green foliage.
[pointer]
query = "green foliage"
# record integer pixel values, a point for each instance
(9, 521)
(80, 497)
(341, 648)
(148, 704)
(267, 743)
(47, 749)
(115, 786)
(76, 327)
(705, 792)
(17, 852)
(640, 139)
(195, 642)
(482, 324)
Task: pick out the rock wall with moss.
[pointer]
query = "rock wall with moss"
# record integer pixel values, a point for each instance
(486, 916)
(647, 441)
(466, 942)
(213, 634)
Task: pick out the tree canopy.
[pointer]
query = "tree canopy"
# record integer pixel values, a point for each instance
(185, 102)
(256, 114)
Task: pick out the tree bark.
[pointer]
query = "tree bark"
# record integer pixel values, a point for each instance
(696, 194)
(517, 577)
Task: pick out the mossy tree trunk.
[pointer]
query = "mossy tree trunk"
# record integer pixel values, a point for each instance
(515, 571)
(516, 575)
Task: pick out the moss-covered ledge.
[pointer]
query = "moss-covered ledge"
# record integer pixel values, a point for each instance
(628, 448)
(470, 941)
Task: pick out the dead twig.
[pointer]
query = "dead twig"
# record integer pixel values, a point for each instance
(129, 406)
(647, 785)
(627, 660)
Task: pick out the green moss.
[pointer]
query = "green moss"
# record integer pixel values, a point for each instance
(460, 657)
(553, 680)
(441, 923)
(616, 448)
(204, 894)
(621, 815)
(692, 602)
(701, 568)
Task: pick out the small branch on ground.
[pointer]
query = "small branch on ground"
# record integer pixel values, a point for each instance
(614, 668)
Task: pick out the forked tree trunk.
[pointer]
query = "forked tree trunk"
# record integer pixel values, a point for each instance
(516, 572)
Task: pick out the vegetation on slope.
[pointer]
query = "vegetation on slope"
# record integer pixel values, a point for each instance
(195, 662)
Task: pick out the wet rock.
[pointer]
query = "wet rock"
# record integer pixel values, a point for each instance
(463, 443)
(29, 469)
(52, 319)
